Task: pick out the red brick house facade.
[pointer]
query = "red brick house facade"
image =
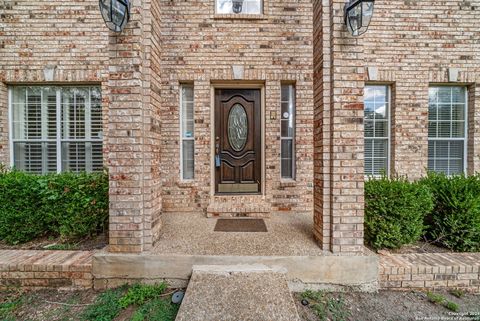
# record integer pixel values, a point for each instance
(298, 74)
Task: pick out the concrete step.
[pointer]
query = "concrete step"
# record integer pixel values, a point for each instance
(237, 293)
(239, 206)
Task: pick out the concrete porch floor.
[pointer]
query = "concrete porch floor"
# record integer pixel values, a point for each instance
(188, 239)
(193, 234)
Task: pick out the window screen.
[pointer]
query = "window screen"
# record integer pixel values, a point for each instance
(447, 129)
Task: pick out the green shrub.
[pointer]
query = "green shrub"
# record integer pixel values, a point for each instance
(67, 205)
(455, 220)
(395, 210)
(21, 218)
(78, 203)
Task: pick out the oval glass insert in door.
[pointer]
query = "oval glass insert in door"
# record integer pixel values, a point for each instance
(237, 127)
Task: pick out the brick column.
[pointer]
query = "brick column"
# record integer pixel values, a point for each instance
(133, 137)
(473, 147)
(338, 116)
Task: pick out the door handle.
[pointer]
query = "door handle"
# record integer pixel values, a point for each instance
(218, 161)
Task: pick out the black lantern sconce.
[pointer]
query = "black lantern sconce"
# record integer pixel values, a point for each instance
(358, 14)
(116, 13)
(237, 6)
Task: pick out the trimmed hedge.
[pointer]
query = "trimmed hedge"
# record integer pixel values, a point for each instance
(395, 211)
(68, 205)
(455, 220)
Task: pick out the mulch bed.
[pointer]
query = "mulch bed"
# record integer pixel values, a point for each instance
(44, 243)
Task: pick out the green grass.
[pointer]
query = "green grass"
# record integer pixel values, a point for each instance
(441, 300)
(8, 307)
(139, 294)
(326, 307)
(147, 300)
(158, 310)
(435, 298)
(62, 247)
(106, 306)
(457, 293)
(452, 306)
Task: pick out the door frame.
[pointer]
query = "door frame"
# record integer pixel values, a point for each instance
(236, 85)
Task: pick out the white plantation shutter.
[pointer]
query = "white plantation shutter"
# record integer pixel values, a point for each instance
(45, 141)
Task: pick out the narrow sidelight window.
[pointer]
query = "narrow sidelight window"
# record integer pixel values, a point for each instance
(377, 130)
(187, 132)
(287, 137)
(56, 129)
(447, 129)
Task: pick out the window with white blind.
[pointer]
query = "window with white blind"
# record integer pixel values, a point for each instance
(447, 129)
(377, 129)
(187, 132)
(287, 135)
(239, 7)
(56, 129)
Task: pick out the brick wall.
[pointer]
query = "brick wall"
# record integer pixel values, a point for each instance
(72, 37)
(199, 47)
(36, 34)
(338, 114)
(432, 271)
(46, 269)
(413, 43)
(134, 134)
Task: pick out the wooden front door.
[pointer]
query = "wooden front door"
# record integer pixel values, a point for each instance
(238, 132)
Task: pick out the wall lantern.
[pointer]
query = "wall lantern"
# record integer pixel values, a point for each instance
(237, 6)
(358, 14)
(116, 13)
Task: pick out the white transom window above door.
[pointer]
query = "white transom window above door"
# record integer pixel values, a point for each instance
(56, 129)
(238, 6)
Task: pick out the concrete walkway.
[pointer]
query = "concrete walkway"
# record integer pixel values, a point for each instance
(237, 293)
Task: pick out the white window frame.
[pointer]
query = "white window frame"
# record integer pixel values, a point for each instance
(182, 138)
(292, 100)
(58, 139)
(389, 130)
(464, 139)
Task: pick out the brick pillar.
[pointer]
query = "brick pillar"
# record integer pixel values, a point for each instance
(133, 137)
(338, 137)
(473, 147)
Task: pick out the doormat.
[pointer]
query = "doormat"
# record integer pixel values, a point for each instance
(240, 225)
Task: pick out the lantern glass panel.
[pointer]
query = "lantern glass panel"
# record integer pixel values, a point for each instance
(118, 13)
(358, 16)
(354, 20)
(367, 13)
(105, 9)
